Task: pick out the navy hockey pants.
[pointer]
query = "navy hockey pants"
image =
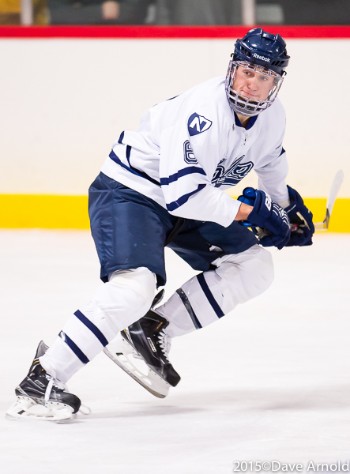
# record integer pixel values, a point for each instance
(131, 231)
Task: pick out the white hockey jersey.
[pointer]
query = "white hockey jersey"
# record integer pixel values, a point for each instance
(190, 148)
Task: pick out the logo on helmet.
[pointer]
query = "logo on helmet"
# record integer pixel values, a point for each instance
(263, 58)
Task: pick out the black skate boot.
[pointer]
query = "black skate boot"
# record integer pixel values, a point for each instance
(148, 338)
(42, 396)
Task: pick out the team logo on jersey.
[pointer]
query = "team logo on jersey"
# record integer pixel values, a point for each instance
(198, 124)
(233, 175)
(188, 153)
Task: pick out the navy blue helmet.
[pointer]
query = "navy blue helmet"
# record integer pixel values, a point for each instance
(264, 49)
(264, 53)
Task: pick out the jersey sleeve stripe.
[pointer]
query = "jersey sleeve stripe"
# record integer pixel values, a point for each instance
(201, 280)
(181, 173)
(183, 199)
(131, 169)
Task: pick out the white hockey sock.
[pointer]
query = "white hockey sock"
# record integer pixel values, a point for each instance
(208, 296)
(124, 299)
(59, 361)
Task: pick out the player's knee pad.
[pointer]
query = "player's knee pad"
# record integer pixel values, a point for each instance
(247, 274)
(133, 288)
(139, 284)
(124, 299)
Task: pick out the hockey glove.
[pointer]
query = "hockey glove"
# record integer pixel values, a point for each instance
(301, 219)
(267, 215)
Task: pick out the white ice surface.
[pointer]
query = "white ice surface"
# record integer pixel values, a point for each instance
(271, 381)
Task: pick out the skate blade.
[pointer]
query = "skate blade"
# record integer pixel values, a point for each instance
(26, 408)
(125, 356)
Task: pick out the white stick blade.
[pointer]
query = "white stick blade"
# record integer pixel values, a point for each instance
(333, 193)
(337, 182)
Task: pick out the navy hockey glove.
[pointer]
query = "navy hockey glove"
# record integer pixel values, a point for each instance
(267, 215)
(301, 219)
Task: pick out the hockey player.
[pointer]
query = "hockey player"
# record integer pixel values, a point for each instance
(163, 185)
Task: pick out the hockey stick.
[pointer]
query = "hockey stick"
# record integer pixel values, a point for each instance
(332, 196)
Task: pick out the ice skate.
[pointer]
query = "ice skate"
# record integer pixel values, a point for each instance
(41, 396)
(148, 338)
(141, 351)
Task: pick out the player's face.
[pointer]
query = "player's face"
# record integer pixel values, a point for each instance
(253, 82)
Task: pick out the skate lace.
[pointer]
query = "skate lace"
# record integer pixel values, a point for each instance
(84, 409)
(48, 390)
(164, 343)
(52, 383)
